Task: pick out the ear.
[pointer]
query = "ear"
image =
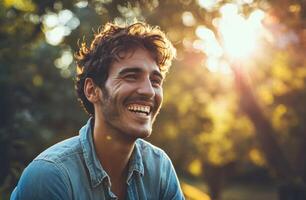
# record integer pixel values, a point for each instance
(91, 91)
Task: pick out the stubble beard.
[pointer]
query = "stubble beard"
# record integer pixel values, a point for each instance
(111, 114)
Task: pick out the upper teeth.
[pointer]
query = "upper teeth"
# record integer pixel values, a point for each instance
(139, 108)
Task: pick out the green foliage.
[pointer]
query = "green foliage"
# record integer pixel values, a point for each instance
(201, 126)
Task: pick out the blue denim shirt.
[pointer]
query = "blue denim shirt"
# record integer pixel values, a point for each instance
(71, 170)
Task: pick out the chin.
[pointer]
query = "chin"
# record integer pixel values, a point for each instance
(145, 135)
(141, 134)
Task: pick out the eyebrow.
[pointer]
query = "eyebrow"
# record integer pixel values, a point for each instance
(139, 70)
(128, 70)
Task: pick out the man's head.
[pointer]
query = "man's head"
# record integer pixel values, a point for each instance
(120, 77)
(112, 44)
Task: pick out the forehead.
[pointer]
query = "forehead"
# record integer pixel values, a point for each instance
(139, 58)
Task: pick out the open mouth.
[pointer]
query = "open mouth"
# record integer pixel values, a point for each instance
(139, 109)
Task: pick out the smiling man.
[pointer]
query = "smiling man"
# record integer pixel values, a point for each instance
(119, 83)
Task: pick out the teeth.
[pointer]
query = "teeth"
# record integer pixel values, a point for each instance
(139, 108)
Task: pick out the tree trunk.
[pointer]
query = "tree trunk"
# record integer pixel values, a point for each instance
(293, 187)
(214, 177)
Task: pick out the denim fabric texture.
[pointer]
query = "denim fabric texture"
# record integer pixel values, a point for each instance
(71, 170)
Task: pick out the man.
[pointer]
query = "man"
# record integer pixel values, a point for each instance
(119, 83)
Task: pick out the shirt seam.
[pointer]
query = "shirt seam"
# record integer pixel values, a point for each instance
(64, 175)
(58, 159)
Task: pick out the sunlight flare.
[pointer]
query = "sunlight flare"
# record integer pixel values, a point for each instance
(239, 35)
(236, 37)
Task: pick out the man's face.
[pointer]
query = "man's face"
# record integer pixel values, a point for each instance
(133, 95)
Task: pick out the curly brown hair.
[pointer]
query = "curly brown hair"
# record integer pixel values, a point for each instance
(94, 61)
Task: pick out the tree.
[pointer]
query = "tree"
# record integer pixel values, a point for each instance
(207, 124)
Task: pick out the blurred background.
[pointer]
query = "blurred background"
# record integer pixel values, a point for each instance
(234, 114)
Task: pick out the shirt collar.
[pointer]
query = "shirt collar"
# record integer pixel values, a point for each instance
(135, 164)
(96, 171)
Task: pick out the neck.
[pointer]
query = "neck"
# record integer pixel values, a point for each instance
(113, 151)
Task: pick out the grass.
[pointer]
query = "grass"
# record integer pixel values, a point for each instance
(196, 190)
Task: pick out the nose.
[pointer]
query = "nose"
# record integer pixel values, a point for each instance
(146, 89)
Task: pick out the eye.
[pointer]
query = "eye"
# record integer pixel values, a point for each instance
(130, 77)
(156, 82)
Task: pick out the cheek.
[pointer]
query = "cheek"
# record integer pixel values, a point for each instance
(113, 90)
(159, 96)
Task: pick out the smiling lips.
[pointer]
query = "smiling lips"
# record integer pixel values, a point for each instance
(140, 109)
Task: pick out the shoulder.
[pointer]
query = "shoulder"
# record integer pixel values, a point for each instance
(147, 148)
(154, 158)
(159, 169)
(61, 151)
(42, 179)
(46, 175)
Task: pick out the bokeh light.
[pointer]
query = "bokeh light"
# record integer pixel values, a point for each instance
(59, 25)
(208, 4)
(188, 19)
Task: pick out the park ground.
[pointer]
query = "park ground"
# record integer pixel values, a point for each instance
(197, 190)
